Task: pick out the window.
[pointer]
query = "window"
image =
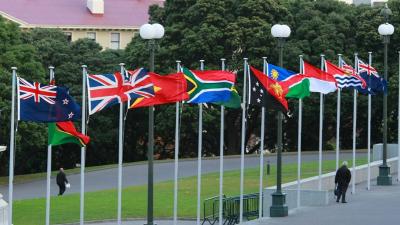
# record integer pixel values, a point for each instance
(91, 35)
(115, 40)
(69, 36)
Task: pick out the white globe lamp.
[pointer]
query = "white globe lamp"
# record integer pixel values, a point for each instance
(147, 31)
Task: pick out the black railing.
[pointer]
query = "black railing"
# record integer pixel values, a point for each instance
(231, 209)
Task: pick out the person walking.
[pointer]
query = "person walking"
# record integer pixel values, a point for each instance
(342, 180)
(61, 181)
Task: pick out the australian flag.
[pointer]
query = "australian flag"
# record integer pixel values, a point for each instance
(375, 83)
(45, 103)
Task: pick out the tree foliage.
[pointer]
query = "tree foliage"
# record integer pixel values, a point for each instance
(209, 30)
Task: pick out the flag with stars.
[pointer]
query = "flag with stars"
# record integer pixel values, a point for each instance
(267, 92)
(45, 103)
(375, 83)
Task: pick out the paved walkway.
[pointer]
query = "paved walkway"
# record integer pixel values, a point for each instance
(137, 174)
(380, 205)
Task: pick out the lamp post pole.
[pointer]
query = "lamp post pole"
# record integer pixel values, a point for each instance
(281, 42)
(279, 207)
(150, 156)
(151, 32)
(385, 30)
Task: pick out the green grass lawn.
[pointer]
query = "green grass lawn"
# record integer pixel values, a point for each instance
(102, 205)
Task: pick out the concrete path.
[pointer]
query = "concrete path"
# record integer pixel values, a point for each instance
(163, 171)
(380, 205)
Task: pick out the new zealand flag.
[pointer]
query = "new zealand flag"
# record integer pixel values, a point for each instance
(375, 83)
(45, 103)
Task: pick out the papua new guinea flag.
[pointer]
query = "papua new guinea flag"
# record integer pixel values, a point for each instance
(45, 103)
(209, 86)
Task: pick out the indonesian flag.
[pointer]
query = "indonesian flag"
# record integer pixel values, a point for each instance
(320, 81)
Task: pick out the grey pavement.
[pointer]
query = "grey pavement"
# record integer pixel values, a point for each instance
(380, 205)
(137, 174)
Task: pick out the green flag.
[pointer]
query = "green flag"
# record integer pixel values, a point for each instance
(298, 86)
(65, 132)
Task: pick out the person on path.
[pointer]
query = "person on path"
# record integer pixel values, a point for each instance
(61, 181)
(342, 180)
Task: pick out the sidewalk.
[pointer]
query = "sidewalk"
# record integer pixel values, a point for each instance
(380, 205)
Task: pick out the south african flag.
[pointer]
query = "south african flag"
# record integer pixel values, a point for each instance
(209, 86)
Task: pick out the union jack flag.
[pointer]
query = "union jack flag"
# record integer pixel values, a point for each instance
(37, 91)
(364, 67)
(109, 89)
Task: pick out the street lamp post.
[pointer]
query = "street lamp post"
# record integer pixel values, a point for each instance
(385, 30)
(279, 207)
(151, 32)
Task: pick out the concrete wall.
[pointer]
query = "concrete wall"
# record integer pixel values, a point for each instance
(311, 196)
(392, 151)
(103, 37)
(3, 211)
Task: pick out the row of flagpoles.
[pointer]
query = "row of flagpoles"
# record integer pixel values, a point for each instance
(177, 125)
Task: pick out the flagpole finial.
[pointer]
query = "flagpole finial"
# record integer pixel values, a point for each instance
(322, 55)
(84, 66)
(201, 60)
(178, 61)
(301, 56)
(223, 59)
(245, 59)
(264, 57)
(356, 54)
(369, 52)
(122, 64)
(339, 54)
(14, 68)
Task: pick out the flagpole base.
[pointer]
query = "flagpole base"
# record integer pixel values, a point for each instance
(279, 207)
(384, 178)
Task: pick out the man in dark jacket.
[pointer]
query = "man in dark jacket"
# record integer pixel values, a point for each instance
(342, 180)
(61, 181)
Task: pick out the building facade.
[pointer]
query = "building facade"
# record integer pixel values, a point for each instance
(111, 23)
(366, 2)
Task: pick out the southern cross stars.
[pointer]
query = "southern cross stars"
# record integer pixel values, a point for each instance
(65, 101)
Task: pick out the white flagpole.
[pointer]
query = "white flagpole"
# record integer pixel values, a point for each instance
(199, 153)
(245, 69)
(321, 121)
(83, 149)
(299, 141)
(339, 92)
(178, 68)
(221, 158)
(369, 129)
(353, 183)
(398, 131)
(49, 153)
(12, 148)
(120, 152)
(262, 135)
